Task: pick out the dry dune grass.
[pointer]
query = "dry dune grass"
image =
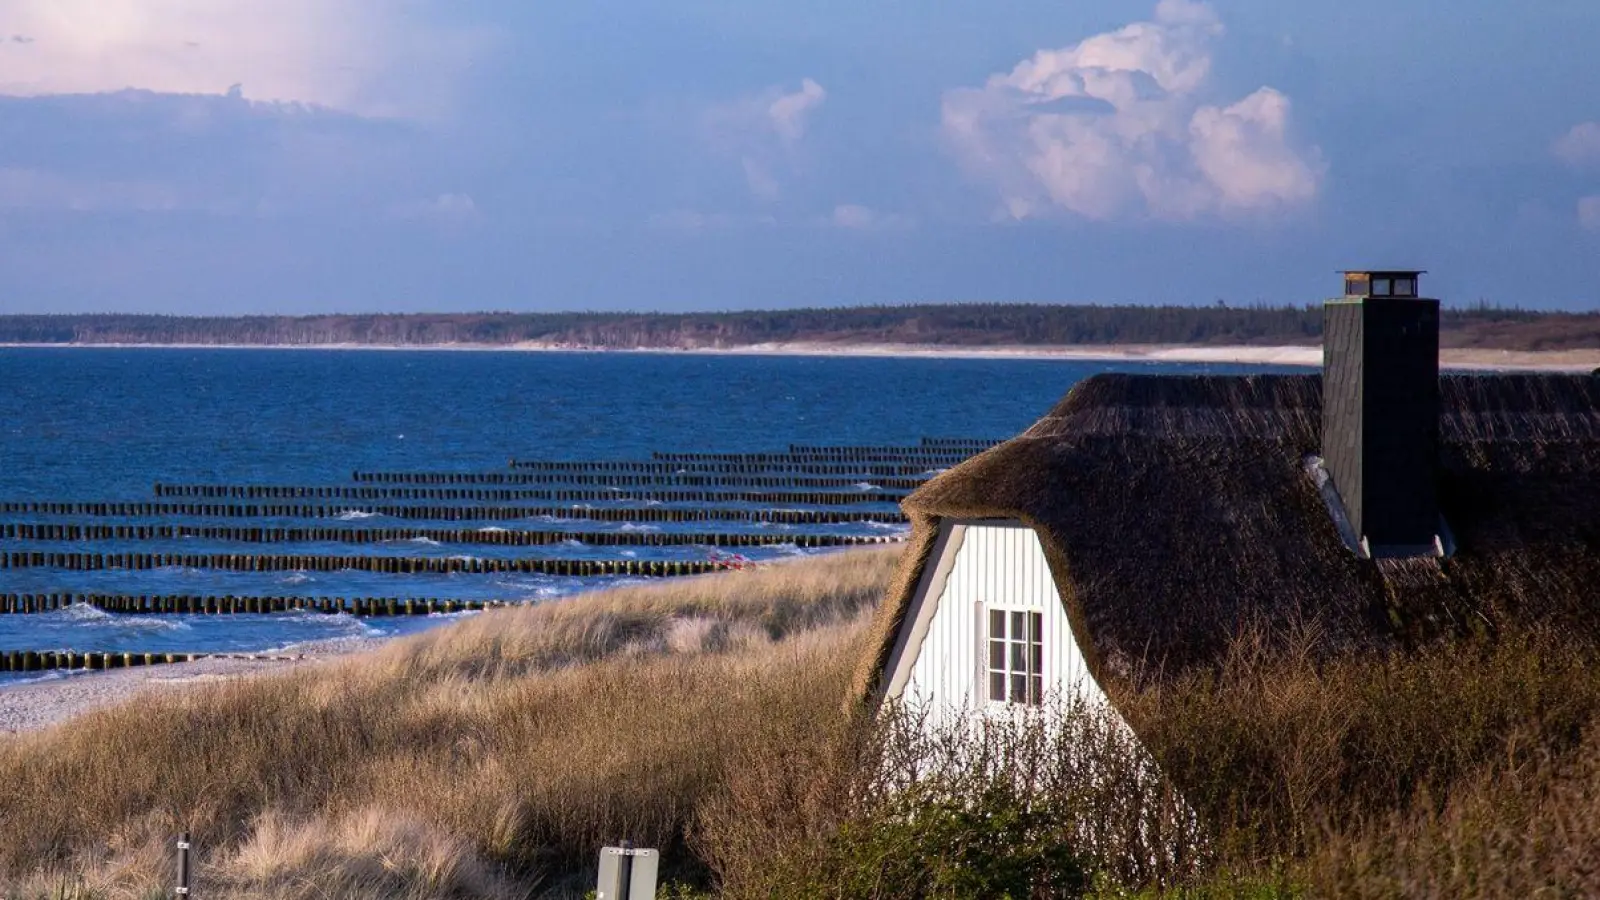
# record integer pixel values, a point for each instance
(480, 759)
(493, 757)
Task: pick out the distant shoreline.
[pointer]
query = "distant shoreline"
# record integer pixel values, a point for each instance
(1290, 355)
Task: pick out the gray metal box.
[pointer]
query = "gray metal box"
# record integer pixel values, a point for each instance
(628, 873)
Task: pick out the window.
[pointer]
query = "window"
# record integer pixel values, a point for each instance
(1405, 287)
(1381, 288)
(1016, 656)
(1356, 285)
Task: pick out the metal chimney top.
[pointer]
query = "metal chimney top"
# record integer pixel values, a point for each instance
(1389, 283)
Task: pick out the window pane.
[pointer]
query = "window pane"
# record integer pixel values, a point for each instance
(1019, 625)
(1381, 288)
(1405, 287)
(1019, 656)
(997, 624)
(997, 686)
(1037, 697)
(1035, 626)
(997, 655)
(1019, 689)
(1038, 659)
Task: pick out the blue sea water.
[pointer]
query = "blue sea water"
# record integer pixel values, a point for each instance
(108, 424)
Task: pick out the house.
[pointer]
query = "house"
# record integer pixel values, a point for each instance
(1131, 533)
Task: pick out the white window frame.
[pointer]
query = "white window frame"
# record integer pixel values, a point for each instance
(1020, 657)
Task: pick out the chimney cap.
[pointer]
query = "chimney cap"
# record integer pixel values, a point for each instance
(1386, 283)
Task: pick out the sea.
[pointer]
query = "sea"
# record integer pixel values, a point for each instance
(105, 426)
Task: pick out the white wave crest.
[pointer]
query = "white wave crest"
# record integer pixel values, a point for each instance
(634, 527)
(356, 514)
(84, 614)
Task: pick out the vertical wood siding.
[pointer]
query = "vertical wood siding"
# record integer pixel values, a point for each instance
(997, 564)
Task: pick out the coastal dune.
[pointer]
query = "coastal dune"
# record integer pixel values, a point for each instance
(709, 718)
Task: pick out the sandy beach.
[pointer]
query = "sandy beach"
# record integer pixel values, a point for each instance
(57, 697)
(1459, 358)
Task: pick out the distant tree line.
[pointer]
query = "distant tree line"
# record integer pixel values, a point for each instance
(967, 325)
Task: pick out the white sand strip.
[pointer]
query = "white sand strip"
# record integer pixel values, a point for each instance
(1583, 360)
(58, 696)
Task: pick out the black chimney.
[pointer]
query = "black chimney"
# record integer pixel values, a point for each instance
(1380, 411)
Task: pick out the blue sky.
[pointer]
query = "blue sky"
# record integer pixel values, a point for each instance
(241, 156)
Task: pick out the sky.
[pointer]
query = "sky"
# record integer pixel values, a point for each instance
(303, 156)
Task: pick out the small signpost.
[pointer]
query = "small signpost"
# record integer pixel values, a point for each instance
(628, 873)
(182, 890)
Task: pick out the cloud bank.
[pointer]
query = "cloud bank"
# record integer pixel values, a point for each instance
(366, 56)
(141, 151)
(1117, 127)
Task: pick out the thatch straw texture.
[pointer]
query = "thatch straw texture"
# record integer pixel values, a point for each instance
(1177, 512)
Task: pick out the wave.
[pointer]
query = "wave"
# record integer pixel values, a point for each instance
(866, 486)
(636, 527)
(7, 680)
(94, 616)
(493, 529)
(356, 514)
(571, 542)
(887, 526)
(425, 541)
(296, 578)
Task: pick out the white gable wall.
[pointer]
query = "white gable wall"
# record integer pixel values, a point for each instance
(939, 661)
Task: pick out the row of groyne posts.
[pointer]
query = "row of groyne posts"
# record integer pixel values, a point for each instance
(806, 485)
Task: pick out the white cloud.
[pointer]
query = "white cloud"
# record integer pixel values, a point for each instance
(855, 217)
(368, 56)
(1589, 213)
(764, 132)
(789, 112)
(1116, 126)
(445, 209)
(1580, 146)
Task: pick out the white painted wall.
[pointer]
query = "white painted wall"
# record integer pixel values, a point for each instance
(938, 664)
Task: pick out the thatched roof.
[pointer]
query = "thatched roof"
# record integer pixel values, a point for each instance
(1176, 512)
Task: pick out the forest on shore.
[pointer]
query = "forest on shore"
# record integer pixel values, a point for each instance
(944, 325)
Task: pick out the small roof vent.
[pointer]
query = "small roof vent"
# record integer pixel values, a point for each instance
(1391, 283)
